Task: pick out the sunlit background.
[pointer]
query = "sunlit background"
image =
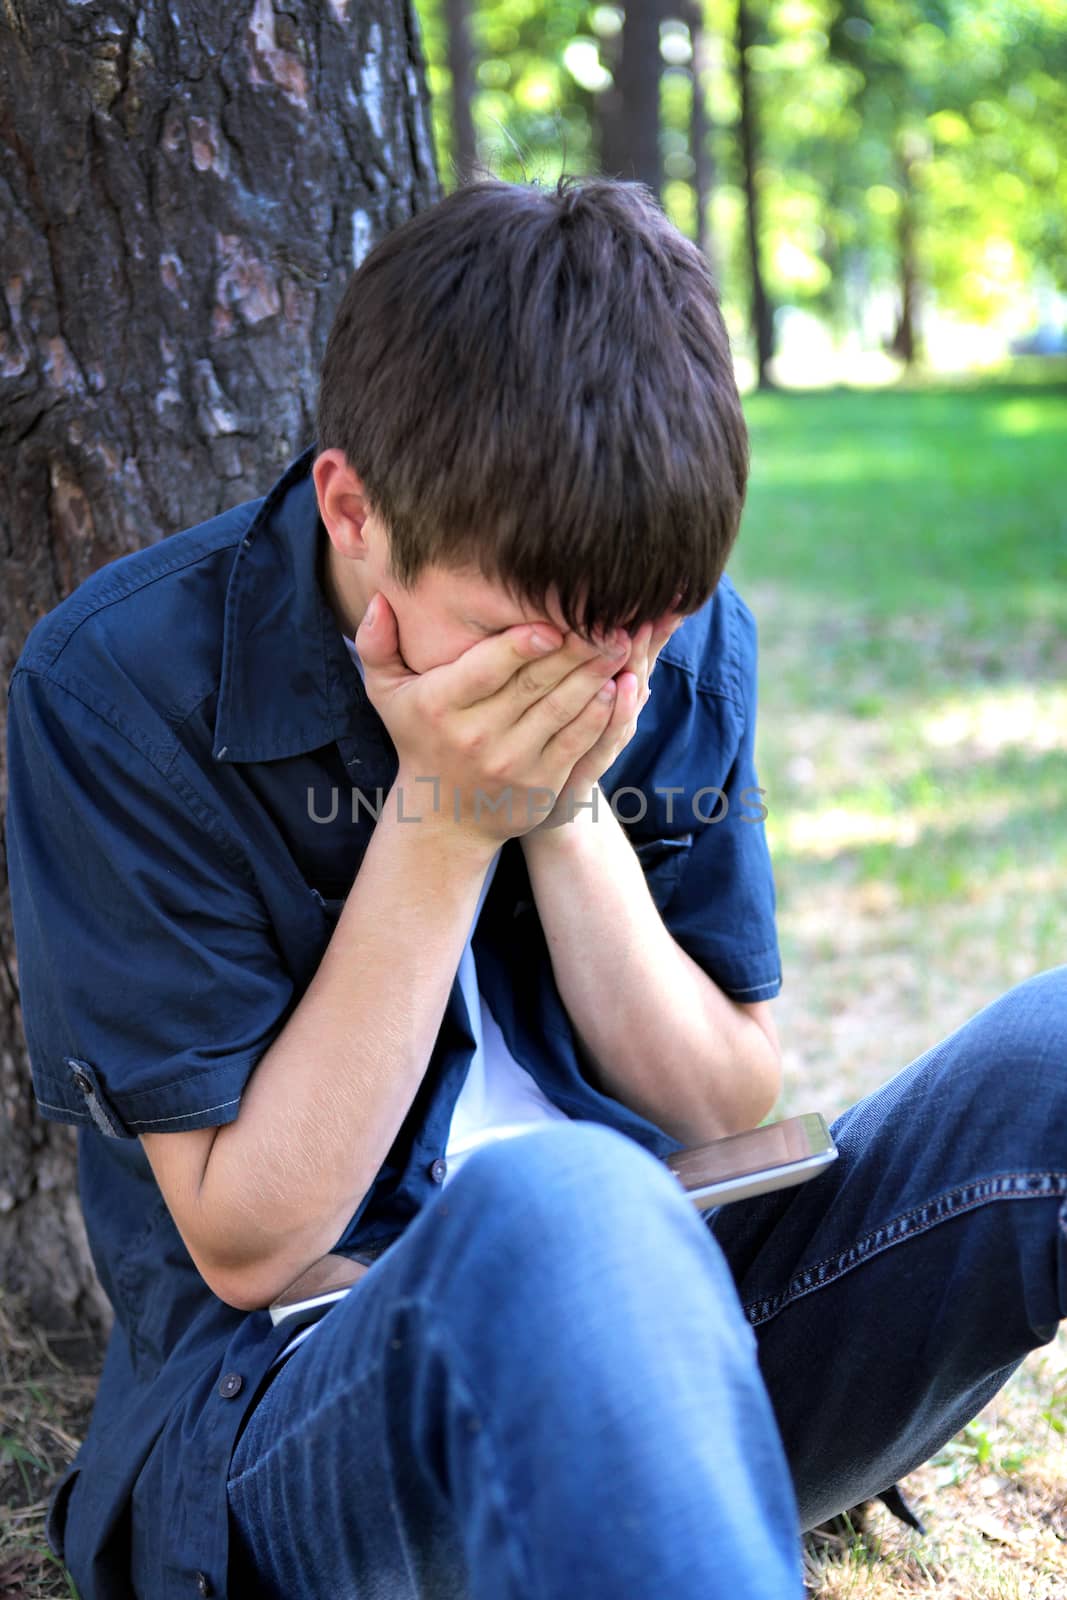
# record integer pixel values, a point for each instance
(881, 189)
(904, 159)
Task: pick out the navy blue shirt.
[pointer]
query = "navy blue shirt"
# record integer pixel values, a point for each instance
(178, 729)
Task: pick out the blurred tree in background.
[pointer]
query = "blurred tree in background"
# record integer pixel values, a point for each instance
(889, 174)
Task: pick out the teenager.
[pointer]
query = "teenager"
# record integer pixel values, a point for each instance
(389, 879)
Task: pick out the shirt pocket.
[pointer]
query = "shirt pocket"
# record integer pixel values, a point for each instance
(662, 862)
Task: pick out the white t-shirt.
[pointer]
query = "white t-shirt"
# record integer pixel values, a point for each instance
(499, 1099)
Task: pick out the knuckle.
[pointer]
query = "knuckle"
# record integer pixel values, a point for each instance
(495, 767)
(484, 681)
(557, 708)
(527, 681)
(576, 740)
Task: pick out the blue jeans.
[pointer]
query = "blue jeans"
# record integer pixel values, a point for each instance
(565, 1381)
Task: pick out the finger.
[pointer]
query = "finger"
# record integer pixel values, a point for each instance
(614, 737)
(640, 660)
(569, 745)
(568, 678)
(530, 740)
(559, 707)
(643, 643)
(599, 657)
(483, 669)
(377, 641)
(658, 637)
(629, 688)
(630, 697)
(619, 731)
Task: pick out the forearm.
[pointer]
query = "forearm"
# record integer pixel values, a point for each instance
(663, 1037)
(326, 1100)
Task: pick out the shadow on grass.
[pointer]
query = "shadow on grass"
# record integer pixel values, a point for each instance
(939, 865)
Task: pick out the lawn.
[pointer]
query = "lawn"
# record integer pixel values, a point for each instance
(905, 554)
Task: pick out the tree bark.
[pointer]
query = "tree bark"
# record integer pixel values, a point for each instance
(762, 315)
(183, 194)
(628, 113)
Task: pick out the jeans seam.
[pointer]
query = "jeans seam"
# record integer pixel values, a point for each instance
(979, 1192)
(457, 1375)
(497, 1487)
(304, 1419)
(307, 1417)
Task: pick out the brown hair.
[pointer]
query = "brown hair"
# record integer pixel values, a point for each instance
(537, 384)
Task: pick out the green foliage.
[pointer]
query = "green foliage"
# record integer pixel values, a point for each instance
(955, 109)
(905, 554)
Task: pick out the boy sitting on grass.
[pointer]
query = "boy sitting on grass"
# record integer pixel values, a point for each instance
(368, 836)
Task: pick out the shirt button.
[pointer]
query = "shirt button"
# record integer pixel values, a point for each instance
(230, 1385)
(203, 1583)
(83, 1082)
(438, 1169)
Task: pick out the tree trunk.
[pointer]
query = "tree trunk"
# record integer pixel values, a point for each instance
(461, 71)
(699, 131)
(183, 194)
(762, 315)
(628, 113)
(905, 340)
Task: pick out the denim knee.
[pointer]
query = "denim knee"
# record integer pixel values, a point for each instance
(1038, 1007)
(569, 1199)
(557, 1176)
(1021, 1038)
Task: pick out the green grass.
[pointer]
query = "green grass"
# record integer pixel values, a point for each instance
(905, 555)
(933, 503)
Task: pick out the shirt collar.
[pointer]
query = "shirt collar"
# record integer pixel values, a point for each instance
(287, 684)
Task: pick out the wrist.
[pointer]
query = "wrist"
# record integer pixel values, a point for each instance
(567, 825)
(420, 814)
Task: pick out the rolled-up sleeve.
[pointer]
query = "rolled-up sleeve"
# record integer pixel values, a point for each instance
(150, 981)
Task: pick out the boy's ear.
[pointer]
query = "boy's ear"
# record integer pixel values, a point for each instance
(343, 503)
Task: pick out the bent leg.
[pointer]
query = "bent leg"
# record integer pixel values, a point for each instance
(546, 1388)
(894, 1294)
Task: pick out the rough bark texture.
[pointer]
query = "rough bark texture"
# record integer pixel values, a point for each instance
(183, 194)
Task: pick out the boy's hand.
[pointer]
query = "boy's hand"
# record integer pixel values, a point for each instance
(631, 696)
(494, 735)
